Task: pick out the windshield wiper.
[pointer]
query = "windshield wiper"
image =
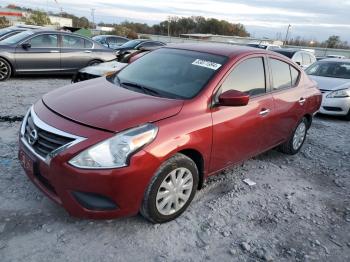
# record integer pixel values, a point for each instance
(145, 89)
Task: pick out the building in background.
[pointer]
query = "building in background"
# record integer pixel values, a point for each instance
(15, 16)
(61, 21)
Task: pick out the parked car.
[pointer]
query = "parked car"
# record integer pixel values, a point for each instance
(264, 46)
(13, 30)
(137, 44)
(44, 51)
(336, 56)
(300, 57)
(333, 79)
(110, 41)
(108, 68)
(145, 139)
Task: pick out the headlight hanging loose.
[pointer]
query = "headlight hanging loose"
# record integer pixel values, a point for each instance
(115, 152)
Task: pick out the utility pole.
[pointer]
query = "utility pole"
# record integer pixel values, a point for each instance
(169, 26)
(285, 40)
(93, 17)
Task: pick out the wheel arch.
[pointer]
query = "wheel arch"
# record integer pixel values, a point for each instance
(198, 159)
(13, 71)
(309, 120)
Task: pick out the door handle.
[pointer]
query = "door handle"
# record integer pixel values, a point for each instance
(264, 112)
(87, 51)
(302, 100)
(54, 51)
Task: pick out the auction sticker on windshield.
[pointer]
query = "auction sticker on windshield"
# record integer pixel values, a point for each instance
(206, 64)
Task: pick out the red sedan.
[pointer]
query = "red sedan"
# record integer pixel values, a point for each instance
(145, 139)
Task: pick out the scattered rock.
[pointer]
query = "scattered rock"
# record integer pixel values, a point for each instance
(245, 246)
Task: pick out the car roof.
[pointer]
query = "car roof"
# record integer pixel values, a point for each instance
(340, 60)
(118, 36)
(220, 49)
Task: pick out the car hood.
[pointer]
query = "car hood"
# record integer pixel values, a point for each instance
(329, 83)
(101, 104)
(103, 68)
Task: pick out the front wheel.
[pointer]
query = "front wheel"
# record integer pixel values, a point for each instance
(296, 140)
(5, 70)
(171, 189)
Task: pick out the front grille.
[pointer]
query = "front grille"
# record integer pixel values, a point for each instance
(42, 141)
(332, 108)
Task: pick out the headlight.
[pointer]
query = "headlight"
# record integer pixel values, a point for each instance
(339, 93)
(115, 152)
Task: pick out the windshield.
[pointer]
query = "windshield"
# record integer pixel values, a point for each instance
(330, 69)
(131, 44)
(5, 30)
(171, 73)
(16, 38)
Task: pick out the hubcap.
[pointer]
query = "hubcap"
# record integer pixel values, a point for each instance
(4, 70)
(299, 136)
(174, 191)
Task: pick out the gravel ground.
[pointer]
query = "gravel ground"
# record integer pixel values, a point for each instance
(299, 210)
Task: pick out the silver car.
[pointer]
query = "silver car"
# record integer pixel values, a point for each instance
(333, 79)
(47, 52)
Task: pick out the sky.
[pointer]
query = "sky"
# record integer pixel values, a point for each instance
(313, 20)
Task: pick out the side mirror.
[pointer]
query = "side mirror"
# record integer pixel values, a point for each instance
(26, 45)
(233, 98)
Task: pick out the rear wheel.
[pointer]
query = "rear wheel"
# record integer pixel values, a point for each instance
(296, 140)
(171, 190)
(5, 70)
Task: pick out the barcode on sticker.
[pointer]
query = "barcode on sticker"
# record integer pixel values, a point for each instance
(206, 64)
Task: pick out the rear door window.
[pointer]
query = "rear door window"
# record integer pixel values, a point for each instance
(74, 42)
(247, 77)
(283, 74)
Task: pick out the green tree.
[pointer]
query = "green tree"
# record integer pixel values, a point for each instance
(4, 22)
(333, 41)
(37, 18)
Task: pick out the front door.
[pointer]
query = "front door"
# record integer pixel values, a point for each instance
(41, 53)
(242, 132)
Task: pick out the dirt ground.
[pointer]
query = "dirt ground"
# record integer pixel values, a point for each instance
(299, 210)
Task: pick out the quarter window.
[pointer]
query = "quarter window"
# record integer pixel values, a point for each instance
(306, 59)
(75, 42)
(283, 74)
(247, 77)
(44, 41)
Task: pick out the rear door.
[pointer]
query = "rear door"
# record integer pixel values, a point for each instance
(41, 55)
(75, 52)
(289, 99)
(242, 132)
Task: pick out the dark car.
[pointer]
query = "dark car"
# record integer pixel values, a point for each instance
(13, 30)
(137, 44)
(145, 139)
(44, 51)
(110, 41)
(110, 67)
(300, 57)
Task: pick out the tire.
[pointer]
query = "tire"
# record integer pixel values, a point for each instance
(296, 140)
(94, 62)
(5, 70)
(347, 117)
(170, 204)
